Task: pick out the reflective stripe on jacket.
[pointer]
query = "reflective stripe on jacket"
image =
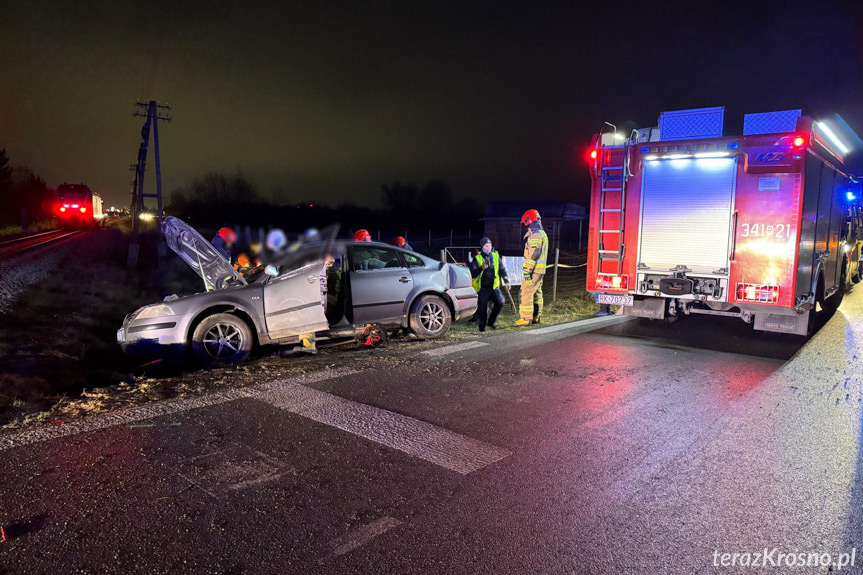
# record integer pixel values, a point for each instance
(535, 251)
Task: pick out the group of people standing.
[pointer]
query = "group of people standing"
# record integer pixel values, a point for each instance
(489, 274)
(486, 267)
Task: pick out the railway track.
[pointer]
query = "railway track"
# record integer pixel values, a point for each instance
(16, 246)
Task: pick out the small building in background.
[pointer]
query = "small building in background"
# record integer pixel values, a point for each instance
(564, 222)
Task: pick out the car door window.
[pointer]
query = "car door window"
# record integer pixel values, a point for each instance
(413, 261)
(371, 258)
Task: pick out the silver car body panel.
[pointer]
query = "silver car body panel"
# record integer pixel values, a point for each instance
(285, 307)
(292, 302)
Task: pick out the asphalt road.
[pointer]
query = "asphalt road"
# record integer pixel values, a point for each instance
(632, 448)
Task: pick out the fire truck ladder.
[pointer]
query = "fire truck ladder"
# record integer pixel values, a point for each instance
(612, 180)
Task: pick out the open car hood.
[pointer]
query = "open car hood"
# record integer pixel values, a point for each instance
(200, 254)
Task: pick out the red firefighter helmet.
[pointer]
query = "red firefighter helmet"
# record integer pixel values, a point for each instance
(529, 217)
(227, 235)
(362, 236)
(398, 241)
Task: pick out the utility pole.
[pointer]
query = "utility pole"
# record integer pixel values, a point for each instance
(153, 112)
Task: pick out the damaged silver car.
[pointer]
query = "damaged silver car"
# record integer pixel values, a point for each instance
(327, 287)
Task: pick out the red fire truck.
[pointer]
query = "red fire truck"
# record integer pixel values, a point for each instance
(763, 227)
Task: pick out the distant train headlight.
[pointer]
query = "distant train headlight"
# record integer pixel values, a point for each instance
(151, 311)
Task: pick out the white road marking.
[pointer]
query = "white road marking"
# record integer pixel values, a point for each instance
(454, 348)
(358, 537)
(429, 442)
(233, 468)
(417, 438)
(592, 322)
(149, 411)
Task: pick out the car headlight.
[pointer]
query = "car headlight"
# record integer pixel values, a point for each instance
(151, 311)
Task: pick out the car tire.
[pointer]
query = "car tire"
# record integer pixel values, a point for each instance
(430, 317)
(223, 339)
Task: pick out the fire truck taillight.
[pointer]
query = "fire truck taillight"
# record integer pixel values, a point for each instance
(799, 141)
(611, 282)
(757, 293)
(593, 154)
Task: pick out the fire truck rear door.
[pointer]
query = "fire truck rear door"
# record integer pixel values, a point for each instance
(687, 206)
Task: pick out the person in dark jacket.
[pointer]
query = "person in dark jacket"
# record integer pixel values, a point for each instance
(224, 241)
(488, 273)
(401, 242)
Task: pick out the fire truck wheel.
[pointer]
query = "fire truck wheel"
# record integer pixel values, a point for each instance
(832, 303)
(819, 298)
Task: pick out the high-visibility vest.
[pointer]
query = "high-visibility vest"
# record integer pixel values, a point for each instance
(477, 281)
(538, 239)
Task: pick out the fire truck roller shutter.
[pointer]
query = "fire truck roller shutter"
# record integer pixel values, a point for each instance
(686, 213)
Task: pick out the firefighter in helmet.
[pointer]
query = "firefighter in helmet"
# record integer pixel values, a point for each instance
(488, 274)
(401, 242)
(362, 236)
(533, 270)
(224, 241)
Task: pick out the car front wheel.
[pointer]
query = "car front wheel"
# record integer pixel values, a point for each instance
(222, 338)
(430, 317)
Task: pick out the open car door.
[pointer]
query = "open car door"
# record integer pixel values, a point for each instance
(294, 301)
(200, 254)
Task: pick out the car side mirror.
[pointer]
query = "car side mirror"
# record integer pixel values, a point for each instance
(271, 270)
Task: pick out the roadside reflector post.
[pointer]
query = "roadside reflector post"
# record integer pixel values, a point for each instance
(554, 282)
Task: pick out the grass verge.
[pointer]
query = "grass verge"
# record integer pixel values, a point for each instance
(59, 338)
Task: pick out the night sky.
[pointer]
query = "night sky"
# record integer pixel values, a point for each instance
(329, 100)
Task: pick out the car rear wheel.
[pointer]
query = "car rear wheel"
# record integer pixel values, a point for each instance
(430, 317)
(222, 338)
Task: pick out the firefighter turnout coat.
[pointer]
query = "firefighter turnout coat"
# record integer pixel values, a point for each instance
(535, 263)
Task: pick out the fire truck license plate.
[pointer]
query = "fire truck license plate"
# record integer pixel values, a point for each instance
(614, 299)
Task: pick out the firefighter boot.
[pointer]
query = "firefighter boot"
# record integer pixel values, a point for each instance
(521, 322)
(537, 314)
(308, 346)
